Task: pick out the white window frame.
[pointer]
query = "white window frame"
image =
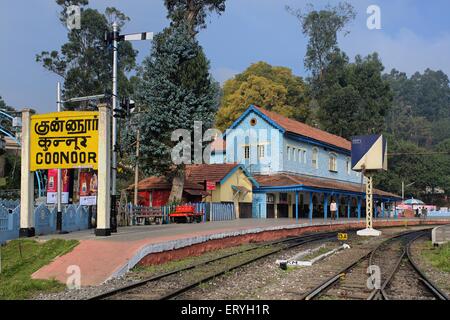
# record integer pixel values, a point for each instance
(315, 158)
(288, 150)
(349, 166)
(261, 151)
(332, 162)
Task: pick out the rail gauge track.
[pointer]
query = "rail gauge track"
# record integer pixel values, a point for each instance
(400, 276)
(172, 284)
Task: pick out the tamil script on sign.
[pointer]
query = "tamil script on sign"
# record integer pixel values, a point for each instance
(64, 140)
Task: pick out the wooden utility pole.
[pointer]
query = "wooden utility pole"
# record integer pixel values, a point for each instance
(136, 170)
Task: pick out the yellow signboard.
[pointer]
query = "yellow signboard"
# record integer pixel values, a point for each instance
(64, 140)
(342, 236)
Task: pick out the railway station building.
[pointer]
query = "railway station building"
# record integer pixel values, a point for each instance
(270, 166)
(298, 169)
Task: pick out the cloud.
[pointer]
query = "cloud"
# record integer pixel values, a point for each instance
(405, 50)
(222, 74)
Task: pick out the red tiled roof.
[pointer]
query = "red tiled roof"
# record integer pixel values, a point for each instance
(212, 172)
(157, 183)
(302, 129)
(283, 180)
(195, 175)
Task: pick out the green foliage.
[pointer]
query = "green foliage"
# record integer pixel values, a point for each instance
(273, 88)
(421, 107)
(413, 164)
(84, 62)
(21, 258)
(193, 13)
(12, 171)
(322, 28)
(6, 123)
(438, 257)
(174, 90)
(354, 99)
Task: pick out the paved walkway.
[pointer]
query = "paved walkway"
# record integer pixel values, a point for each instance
(102, 258)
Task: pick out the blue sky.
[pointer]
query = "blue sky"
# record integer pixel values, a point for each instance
(414, 35)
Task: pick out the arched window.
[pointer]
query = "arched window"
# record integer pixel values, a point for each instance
(315, 158)
(332, 164)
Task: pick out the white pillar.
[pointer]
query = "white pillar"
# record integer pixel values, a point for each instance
(26, 180)
(275, 205)
(104, 172)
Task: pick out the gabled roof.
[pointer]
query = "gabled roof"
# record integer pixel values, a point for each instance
(296, 128)
(195, 176)
(290, 180)
(161, 183)
(198, 173)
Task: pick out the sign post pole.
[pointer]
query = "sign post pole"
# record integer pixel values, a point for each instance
(59, 179)
(369, 154)
(26, 181)
(104, 172)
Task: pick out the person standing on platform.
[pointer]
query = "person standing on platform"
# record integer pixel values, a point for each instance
(333, 209)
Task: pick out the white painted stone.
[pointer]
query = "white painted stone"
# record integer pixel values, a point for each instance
(368, 232)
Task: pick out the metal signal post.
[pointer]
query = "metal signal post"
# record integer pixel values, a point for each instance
(114, 37)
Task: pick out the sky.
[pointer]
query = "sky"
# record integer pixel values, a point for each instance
(414, 35)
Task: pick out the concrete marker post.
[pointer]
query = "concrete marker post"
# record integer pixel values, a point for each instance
(27, 227)
(104, 172)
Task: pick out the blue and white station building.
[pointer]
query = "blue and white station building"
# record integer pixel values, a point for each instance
(298, 169)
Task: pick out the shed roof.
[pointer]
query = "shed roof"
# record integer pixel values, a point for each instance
(288, 180)
(195, 176)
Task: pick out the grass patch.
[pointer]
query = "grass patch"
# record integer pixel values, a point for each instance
(21, 258)
(438, 257)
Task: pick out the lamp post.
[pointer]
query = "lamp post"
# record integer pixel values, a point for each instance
(403, 188)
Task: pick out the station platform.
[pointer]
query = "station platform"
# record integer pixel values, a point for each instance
(104, 258)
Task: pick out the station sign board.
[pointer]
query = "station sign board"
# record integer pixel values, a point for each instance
(369, 153)
(64, 140)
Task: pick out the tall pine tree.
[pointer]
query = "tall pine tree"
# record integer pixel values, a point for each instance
(175, 89)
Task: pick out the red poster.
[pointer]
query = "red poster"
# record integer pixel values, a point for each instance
(52, 185)
(85, 183)
(88, 188)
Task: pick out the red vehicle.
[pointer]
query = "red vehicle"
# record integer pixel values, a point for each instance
(185, 213)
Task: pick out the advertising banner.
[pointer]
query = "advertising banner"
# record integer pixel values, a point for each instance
(88, 189)
(52, 187)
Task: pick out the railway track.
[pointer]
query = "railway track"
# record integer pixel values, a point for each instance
(400, 278)
(174, 283)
